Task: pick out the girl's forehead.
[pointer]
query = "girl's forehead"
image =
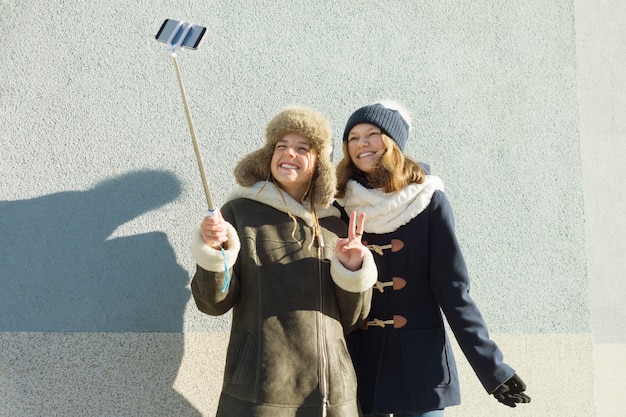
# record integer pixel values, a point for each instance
(294, 138)
(362, 127)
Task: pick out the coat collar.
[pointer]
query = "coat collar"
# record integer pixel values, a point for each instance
(268, 193)
(386, 212)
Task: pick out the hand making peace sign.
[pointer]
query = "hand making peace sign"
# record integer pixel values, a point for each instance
(350, 251)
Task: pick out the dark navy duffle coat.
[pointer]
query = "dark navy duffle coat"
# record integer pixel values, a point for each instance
(402, 355)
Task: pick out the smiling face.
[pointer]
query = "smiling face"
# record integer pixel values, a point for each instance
(365, 142)
(293, 164)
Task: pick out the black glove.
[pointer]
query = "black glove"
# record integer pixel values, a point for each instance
(512, 392)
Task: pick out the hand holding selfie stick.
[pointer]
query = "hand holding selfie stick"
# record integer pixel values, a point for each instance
(179, 35)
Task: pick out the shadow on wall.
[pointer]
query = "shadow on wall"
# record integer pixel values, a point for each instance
(60, 273)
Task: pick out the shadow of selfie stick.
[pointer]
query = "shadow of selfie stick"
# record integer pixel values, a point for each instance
(178, 36)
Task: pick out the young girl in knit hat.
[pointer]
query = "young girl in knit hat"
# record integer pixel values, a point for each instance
(402, 354)
(294, 287)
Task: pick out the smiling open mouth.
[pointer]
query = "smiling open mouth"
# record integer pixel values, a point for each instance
(287, 166)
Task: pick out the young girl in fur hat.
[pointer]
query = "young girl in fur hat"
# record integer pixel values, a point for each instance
(402, 355)
(295, 287)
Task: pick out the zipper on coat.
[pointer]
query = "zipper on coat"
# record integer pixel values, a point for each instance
(322, 332)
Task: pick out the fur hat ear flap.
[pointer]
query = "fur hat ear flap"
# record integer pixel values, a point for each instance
(311, 125)
(254, 167)
(325, 181)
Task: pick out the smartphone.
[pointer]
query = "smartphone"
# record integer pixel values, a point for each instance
(172, 31)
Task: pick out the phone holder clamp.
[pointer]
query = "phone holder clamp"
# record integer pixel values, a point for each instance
(178, 36)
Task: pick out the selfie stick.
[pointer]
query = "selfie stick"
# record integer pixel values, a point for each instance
(172, 50)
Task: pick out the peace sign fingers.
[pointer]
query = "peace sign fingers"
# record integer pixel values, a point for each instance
(355, 227)
(350, 251)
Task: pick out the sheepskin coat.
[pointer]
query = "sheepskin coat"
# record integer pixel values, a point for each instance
(403, 358)
(292, 303)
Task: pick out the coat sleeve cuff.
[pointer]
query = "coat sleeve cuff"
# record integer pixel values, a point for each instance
(354, 281)
(211, 259)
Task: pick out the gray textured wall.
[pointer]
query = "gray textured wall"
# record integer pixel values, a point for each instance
(601, 57)
(100, 190)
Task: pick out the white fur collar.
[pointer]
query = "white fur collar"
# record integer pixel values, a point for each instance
(386, 212)
(267, 192)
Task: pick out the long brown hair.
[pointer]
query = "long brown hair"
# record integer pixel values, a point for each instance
(393, 172)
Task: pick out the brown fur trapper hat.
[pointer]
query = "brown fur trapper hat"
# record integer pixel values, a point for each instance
(304, 121)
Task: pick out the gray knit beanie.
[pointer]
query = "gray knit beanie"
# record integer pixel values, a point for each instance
(389, 120)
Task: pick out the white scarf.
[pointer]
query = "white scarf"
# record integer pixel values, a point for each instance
(267, 192)
(386, 212)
